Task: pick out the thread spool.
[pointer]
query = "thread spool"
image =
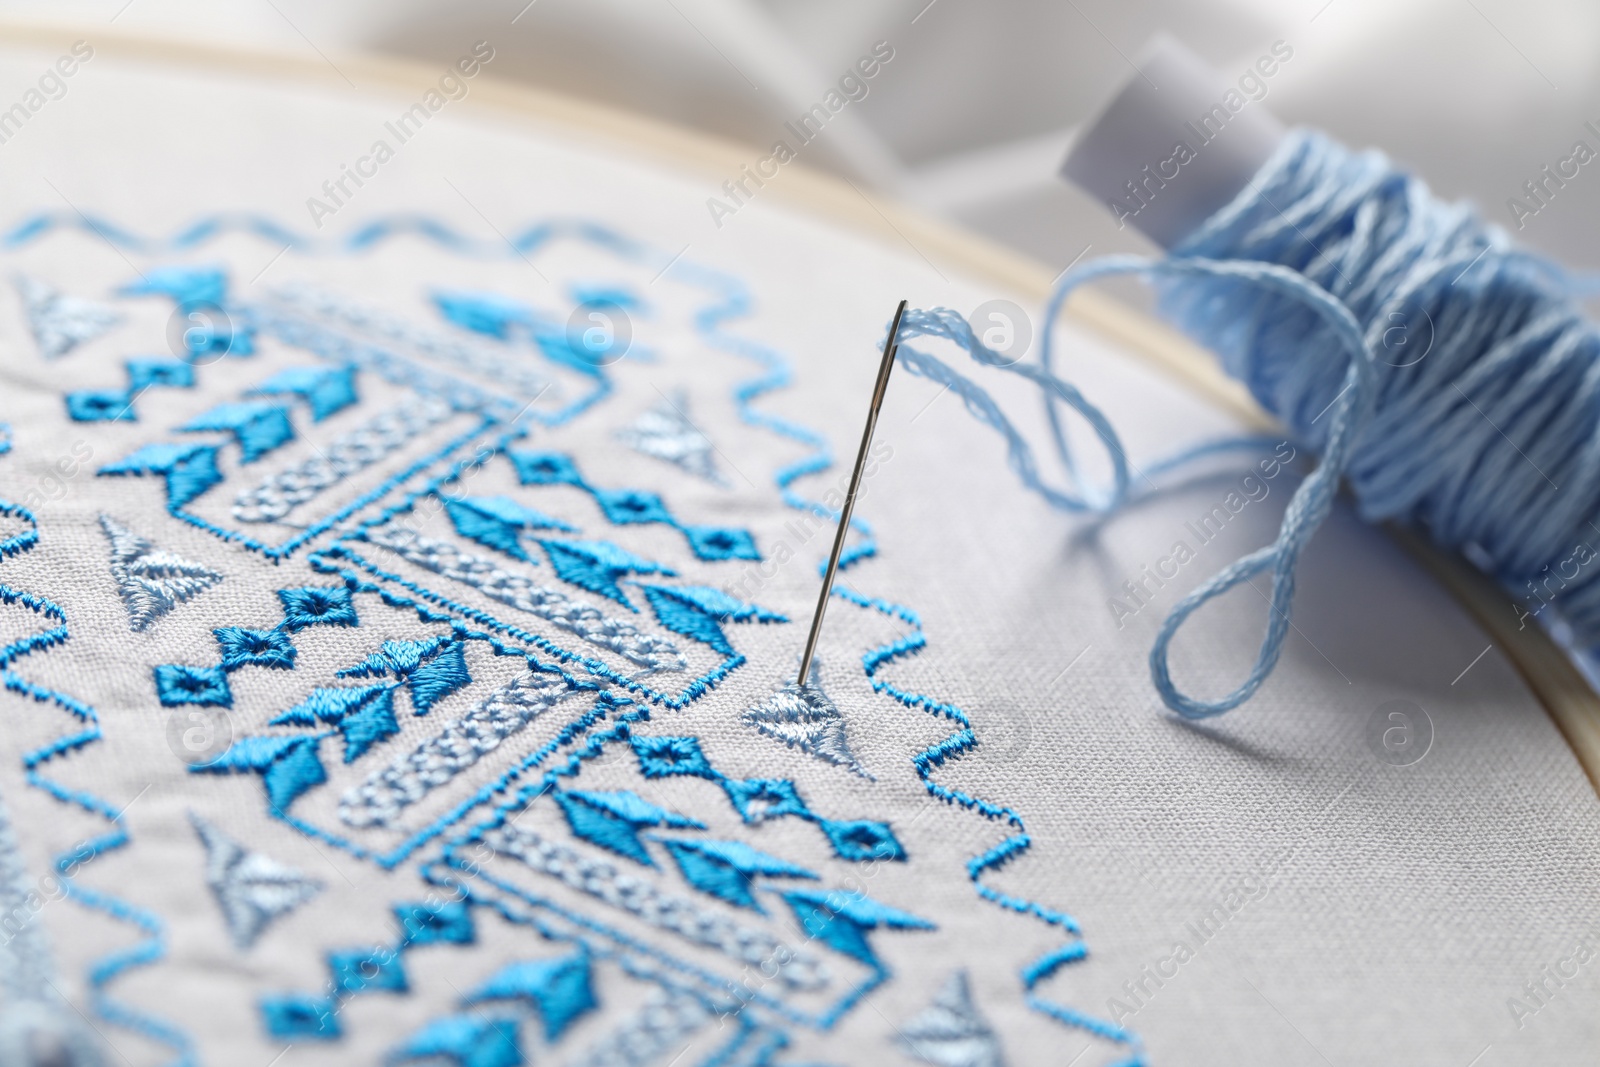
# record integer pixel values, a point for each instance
(1288, 257)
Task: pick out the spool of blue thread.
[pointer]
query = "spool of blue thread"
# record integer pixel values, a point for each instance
(1290, 256)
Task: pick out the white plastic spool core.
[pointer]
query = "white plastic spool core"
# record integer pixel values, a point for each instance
(1129, 156)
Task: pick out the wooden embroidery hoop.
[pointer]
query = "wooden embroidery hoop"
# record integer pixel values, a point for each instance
(1544, 667)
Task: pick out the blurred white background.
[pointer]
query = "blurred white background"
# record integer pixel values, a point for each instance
(972, 116)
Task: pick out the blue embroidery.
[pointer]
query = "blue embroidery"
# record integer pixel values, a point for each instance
(596, 566)
(189, 469)
(498, 317)
(546, 468)
(328, 605)
(731, 302)
(326, 390)
(364, 715)
(759, 799)
(613, 820)
(151, 582)
(484, 313)
(841, 919)
(602, 295)
(561, 989)
(750, 946)
(313, 1017)
(719, 543)
(445, 922)
(627, 507)
(516, 590)
(952, 747)
(116, 405)
(206, 686)
(276, 495)
(469, 1040)
(380, 799)
(288, 765)
(664, 1024)
(253, 890)
(301, 1017)
(699, 611)
(862, 839)
(254, 648)
(100, 405)
(851, 913)
(498, 522)
(663, 757)
(367, 970)
(159, 370)
(200, 294)
(185, 285)
(431, 669)
(726, 869)
(259, 426)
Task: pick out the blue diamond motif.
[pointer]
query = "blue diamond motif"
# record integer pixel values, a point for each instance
(314, 605)
(760, 799)
(717, 543)
(545, 468)
(300, 1017)
(206, 686)
(254, 648)
(631, 506)
(862, 839)
(663, 757)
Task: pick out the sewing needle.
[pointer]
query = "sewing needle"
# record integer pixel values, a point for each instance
(884, 367)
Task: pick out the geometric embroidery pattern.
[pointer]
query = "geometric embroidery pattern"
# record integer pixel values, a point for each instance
(561, 989)
(59, 322)
(151, 581)
(116, 405)
(626, 507)
(252, 889)
(666, 433)
(424, 628)
(951, 1032)
(806, 719)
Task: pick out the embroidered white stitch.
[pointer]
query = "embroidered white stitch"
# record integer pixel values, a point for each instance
(663, 1025)
(666, 433)
(380, 800)
(278, 494)
(60, 322)
(151, 581)
(951, 1032)
(523, 593)
(254, 890)
(601, 880)
(497, 365)
(808, 720)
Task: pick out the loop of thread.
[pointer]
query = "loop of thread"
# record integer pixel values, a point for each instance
(1488, 439)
